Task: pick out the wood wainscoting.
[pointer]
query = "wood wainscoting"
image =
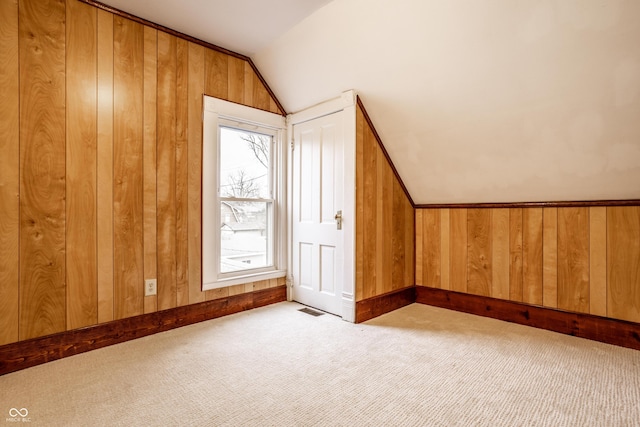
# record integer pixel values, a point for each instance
(579, 257)
(596, 328)
(36, 351)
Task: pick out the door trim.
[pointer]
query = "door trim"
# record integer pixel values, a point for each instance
(346, 102)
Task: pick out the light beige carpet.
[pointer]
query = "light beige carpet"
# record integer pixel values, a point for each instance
(275, 366)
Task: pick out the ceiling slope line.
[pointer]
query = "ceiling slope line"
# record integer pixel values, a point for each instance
(264, 82)
(189, 38)
(384, 151)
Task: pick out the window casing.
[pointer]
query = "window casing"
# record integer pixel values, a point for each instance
(243, 223)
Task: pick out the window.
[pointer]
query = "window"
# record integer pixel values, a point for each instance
(242, 206)
(246, 199)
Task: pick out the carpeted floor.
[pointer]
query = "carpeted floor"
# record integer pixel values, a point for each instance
(276, 366)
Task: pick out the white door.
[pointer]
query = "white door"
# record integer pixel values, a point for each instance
(317, 198)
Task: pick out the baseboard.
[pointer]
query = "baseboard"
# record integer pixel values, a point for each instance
(24, 354)
(596, 328)
(379, 305)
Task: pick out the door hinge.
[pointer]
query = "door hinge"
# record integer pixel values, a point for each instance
(292, 144)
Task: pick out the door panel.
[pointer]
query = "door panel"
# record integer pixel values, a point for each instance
(305, 272)
(327, 270)
(317, 196)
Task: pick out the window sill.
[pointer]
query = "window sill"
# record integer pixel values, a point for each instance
(241, 280)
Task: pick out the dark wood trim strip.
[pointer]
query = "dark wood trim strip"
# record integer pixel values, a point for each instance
(566, 204)
(377, 306)
(187, 37)
(264, 82)
(162, 28)
(603, 329)
(24, 354)
(384, 150)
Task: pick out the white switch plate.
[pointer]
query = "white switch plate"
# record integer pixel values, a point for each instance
(150, 287)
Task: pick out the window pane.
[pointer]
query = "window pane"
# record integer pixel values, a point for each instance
(244, 164)
(244, 235)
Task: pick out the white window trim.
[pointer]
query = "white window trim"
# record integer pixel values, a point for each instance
(215, 111)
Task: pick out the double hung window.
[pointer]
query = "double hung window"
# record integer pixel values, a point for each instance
(243, 218)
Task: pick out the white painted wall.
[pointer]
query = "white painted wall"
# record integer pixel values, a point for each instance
(481, 100)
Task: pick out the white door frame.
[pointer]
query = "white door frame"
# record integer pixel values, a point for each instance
(346, 103)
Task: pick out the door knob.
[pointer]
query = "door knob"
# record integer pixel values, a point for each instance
(338, 219)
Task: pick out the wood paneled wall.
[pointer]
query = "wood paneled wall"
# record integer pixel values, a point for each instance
(581, 259)
(100, 182)
(384, 220)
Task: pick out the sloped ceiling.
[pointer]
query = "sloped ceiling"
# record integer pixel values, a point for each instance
(243, 26)
(475, 100)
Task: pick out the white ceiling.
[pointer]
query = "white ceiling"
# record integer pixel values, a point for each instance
(475, 100)
(243, 26)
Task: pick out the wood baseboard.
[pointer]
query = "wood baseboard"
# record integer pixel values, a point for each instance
(24, 354)
(596, 328)
(377, 306)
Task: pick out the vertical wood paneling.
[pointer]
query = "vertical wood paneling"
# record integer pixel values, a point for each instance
(458, 249)
(105, 167)
(234, 290)
(550, 257)
(224, 292)
(9, 171)
(515, 255)
(419, 247)
(81, 96)
(128, 167)
(273, 106)
(479, 271)
(532, 255)
(445, 253)
(42, 167)
(370, 206)
(360, 228)
(381, 264)
(598, 261)
(398, 256)
(182, 173)
(167, 51)
(216, 74)
(557, 257)
(261, 97)
(431, 248)
(500, 254)
(573, 250)
(249, 75)
(149, 162)
(196, 89)
(623, 263)
(260, 285)
(385, 221)
(236, 80)
(409, 244)
(388, 210)
(81, 131)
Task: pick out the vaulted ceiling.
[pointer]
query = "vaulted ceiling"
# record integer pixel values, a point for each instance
(475, 100)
